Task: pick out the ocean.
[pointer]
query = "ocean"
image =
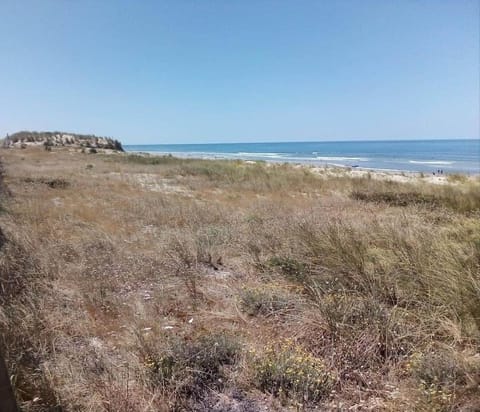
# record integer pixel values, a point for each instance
(451, 156)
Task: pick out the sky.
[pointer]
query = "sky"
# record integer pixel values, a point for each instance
(202, 71)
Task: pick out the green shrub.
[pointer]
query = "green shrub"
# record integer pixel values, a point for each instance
(264, 302)
(437, 369)
(286, 370)
(289, 267)
(442, 374)
(190, 367)
(144, 159)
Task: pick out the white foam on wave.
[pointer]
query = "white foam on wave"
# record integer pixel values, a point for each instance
(256, 154)
(335, 159)
(430, 162)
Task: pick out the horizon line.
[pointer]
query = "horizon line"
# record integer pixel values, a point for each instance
(309, 141)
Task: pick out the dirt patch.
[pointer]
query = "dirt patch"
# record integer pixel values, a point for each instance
(155, 183)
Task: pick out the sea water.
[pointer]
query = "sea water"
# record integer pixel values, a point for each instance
(430, 156)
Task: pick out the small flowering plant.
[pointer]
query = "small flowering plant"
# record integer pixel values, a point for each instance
(286, 370)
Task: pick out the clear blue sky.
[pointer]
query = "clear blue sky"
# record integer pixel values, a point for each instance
(193, 71)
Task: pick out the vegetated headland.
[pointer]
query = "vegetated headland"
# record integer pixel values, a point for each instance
(49, 140)
(144, 283)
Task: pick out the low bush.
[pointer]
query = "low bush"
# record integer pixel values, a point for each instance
(51, 183)
(265, 301)
(286, 370)
(463, 198)
(291, 268)
(143, 159)
(191, 367)
(396, 198)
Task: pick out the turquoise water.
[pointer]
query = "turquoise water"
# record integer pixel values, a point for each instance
(461, 155)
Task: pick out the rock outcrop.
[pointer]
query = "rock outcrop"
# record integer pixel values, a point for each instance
(58, 139)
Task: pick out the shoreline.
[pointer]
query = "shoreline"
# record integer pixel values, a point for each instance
(451, 156)
(335, 170)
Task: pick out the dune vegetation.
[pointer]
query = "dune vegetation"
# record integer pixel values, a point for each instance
(135, 283)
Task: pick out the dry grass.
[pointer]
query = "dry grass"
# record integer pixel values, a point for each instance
(131, 283)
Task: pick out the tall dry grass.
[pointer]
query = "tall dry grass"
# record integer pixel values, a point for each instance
(144, 283)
